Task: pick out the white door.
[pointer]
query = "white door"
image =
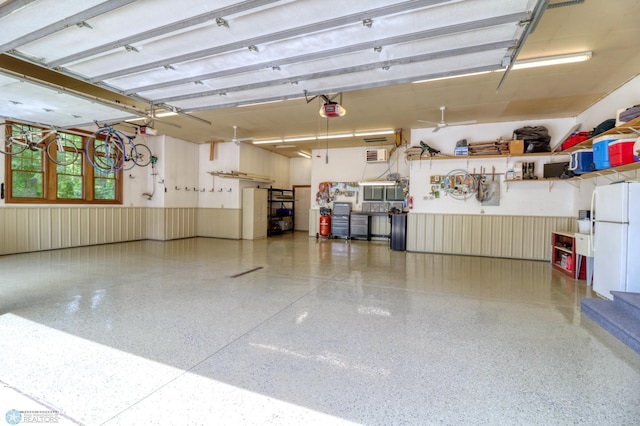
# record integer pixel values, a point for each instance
(302, 206)
(609, 258)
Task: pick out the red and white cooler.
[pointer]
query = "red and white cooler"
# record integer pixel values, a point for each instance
(621, 152)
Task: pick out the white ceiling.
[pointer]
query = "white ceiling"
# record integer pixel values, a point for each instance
(110, 60)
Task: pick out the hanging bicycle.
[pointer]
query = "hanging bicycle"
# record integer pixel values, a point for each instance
(59, 147)
(109, 150)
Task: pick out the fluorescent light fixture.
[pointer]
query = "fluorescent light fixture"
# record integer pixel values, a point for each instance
(339, 136)
(552, 60)
(304, 154)
(374, 133)
(266, 141)
(526, 63)
(323, 137)
(132, 120)
(377, 183)
(300, 139)
(284, 146)
(260, 103)
(165, 114)
(453, 76)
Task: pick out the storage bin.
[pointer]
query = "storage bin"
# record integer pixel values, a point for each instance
(601, 152)
(581, 161)
(621, 152)
(601, 149)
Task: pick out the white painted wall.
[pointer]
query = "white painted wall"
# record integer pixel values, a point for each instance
(349, 165)
(265, 163)
(300, 171)
(139, 180)
(516, 198)
(625, 96)
(219, 192)
(181, 173)
(526, 198)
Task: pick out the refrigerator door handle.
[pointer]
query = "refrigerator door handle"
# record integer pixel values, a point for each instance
(593, 221)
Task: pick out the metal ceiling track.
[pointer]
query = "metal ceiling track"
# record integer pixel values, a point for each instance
(166, 29)
(277, 36)
(531, 26)
(12, 6)
(65, 23)
(486, 68)
(405, 38)
(348, 70)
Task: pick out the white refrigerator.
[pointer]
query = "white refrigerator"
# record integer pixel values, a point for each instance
(615, 211)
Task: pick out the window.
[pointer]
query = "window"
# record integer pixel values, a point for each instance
(69, 176)
(32, 176)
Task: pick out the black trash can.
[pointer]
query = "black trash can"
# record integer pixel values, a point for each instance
(398, 231)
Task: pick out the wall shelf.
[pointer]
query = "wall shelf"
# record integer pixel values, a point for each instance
(607, 172)
(243, 176)
(632, 126)
(473, 157)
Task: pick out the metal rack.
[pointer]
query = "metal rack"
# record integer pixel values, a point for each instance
(281, 205)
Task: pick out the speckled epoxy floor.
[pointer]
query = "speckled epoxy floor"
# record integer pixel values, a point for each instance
(327, 332)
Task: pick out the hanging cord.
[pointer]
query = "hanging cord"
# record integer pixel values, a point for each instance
(326, 156)
(153, 178)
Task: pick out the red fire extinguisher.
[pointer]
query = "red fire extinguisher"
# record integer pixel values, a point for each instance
(410, 203)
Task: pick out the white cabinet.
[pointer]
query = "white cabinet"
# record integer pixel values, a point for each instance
(583, 245)
(254, 213)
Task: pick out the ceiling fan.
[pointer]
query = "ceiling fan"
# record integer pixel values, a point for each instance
(235, 139)
(441, 124)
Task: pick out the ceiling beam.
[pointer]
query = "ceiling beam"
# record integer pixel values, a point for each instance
(405, 38)
(17, 66)
(276, 36)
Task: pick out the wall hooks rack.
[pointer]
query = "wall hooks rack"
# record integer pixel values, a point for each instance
(177, 189)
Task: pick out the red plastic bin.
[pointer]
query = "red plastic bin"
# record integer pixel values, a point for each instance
(574, 139)
(621, 152)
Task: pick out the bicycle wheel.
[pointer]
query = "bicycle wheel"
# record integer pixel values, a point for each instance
(14, 139)
(129, 160)
(143, 155)
(106, 156)
(62, 151)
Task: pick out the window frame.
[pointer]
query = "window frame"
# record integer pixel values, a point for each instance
(50, 178)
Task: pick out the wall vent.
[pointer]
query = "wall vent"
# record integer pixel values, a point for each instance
(376, 155)
(375, 139)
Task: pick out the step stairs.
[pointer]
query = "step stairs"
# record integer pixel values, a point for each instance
(620, 316)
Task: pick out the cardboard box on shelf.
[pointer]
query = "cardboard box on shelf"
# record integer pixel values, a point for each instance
(516, 146)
